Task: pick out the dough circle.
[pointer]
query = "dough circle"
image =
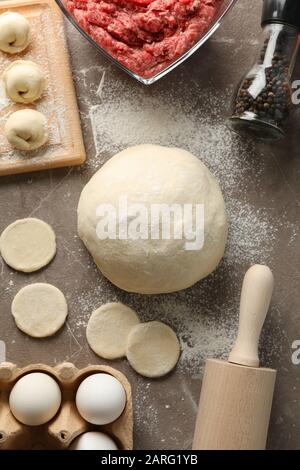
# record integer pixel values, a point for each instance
(108, 329)
(24, 81)
(39, 310)
(149, 175)
(28, 245)
(153, 349)
(14, 32)
(26, 129)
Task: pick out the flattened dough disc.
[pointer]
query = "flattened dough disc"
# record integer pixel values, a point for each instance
(152, 349)
(39, 310)
(108, 329)
(28, 245)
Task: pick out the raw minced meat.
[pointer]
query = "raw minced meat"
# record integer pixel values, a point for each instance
(144, 35)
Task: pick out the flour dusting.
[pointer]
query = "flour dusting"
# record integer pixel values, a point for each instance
(122, 115)
(52, 103)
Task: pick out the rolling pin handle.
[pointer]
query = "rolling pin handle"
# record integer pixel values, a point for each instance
(255, 301)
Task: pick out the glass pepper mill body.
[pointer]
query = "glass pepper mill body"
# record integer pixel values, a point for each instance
(263, 102)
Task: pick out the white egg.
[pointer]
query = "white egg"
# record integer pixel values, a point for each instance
(93, 441)
(35, 399)
(100, 399)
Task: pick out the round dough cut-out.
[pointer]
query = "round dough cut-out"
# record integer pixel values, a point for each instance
(150, 176)
(153, 349)
(24, 81)
(28, 245)
(108, 329)
(14, 32)
(26, 129)
(39, 310)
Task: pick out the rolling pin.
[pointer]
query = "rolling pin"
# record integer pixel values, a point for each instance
(236, 397)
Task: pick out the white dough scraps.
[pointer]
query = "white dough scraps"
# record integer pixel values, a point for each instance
(39, 310)
(108, 329)
(153, 349)
(28, 245)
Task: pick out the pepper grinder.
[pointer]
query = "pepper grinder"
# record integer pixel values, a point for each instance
(263, 102)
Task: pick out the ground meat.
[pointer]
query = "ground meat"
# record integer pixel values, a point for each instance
(144, 35)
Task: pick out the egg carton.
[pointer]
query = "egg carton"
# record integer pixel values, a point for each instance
(58, 433)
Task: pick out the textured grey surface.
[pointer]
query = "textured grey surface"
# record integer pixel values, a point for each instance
(264, 190)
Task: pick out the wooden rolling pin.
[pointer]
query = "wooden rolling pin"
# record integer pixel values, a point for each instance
(236, 397)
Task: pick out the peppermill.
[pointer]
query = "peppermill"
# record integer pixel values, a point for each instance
(263, 102)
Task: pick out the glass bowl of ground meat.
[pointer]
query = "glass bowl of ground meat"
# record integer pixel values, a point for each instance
(146, 38)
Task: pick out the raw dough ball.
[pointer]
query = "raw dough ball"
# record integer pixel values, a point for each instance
(35, 399)
(93, 440)
(14, 32)
(152, 349)
(100, 399)
(26, 129)
(28, 245)
(24, 81)
(108, 328)
(39, 310)
(150, 174)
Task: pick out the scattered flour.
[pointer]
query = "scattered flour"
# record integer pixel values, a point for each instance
(122, 115)
(53, 102)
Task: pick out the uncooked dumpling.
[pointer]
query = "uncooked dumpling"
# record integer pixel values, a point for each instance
(14, 32)
(26, 129)
(39, 310)
(24, 81)
(151, 176)
(28, 245)
(108, 328)
(152, 349)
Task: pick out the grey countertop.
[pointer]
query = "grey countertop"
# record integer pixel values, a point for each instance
(261, 187)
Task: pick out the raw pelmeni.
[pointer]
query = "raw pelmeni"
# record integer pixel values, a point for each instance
(26, 129)
(14, 32)
(24, 81)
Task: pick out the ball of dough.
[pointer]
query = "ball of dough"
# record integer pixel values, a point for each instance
(148, 175)
(24, 81)
(108, 328)
(14, 32)
(152, 349)
(28, 245)
(39, 310)
(26, 129)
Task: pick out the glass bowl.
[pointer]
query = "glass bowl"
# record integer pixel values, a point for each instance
(220, 14)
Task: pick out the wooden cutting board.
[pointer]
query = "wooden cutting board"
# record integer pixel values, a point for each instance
(49, 50)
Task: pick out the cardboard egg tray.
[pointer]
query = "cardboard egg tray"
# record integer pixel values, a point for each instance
(67, 424)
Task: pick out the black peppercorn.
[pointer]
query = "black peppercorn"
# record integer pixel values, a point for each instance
(264, 98)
